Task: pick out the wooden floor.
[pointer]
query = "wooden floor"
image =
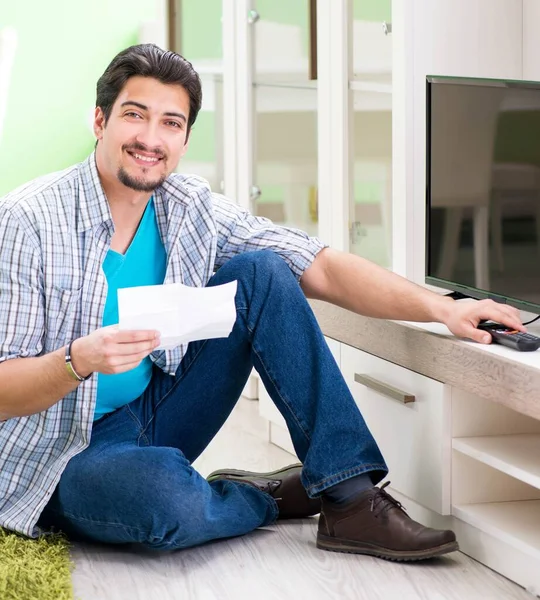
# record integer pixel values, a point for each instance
(278, 562)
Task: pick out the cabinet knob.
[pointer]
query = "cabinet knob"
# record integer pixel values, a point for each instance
(387, 28)
(253, 16)
(255, 193)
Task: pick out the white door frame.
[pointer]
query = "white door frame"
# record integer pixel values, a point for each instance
(334, 115)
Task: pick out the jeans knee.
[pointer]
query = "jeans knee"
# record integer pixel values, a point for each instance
(167, 506)
(260, 263)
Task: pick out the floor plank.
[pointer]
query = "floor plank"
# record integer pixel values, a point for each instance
(278, 562)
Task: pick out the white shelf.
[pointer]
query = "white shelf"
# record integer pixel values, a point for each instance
(370, 86)
(296, 83)
(514, 523)
(515, 455)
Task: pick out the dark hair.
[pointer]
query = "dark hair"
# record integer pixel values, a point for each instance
(148, 60)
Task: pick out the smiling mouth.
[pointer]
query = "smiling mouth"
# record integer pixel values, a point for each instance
(145, 160)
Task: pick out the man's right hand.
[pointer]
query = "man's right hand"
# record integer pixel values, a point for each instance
(109, 350)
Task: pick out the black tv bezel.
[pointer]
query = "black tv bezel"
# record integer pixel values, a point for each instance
(447, 284)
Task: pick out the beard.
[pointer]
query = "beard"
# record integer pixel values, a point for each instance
(138, 184)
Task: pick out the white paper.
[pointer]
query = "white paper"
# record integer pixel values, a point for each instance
(180, 313)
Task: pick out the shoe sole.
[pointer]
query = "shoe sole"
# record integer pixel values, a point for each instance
(332, 544)
(238, 473)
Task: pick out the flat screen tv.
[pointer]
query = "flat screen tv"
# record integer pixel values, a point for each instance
(483, 189)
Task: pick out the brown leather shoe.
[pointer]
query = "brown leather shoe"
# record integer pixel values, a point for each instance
(376, 524)
(283, 485)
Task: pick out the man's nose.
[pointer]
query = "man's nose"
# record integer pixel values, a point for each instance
(149, 136)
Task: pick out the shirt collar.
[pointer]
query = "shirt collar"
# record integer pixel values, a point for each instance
(94, 206)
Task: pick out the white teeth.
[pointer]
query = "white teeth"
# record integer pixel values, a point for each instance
(145, 158)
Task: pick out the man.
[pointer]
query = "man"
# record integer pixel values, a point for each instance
(100, 429)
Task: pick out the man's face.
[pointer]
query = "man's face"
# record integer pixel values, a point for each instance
(145, 135)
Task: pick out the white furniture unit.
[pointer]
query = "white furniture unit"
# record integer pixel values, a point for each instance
(409, 416)
(466, 453)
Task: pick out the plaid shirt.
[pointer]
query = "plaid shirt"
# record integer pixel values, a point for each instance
(55, 233)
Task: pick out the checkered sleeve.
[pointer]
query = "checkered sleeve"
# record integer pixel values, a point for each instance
(21, 295)
(239, 231)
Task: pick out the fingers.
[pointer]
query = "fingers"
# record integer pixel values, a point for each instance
(134, 336)
(128, 349)
(500, 313)
(121, 351)
(492, 311)
(478, 335)
(121, 364)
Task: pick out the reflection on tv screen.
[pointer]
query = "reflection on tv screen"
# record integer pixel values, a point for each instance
(484, 186)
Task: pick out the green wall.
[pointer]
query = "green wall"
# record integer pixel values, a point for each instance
(63, 47)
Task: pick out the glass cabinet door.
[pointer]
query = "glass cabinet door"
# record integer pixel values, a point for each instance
(286, 156)
(205, 154)
(285, 113)
(284, 40)
(370, 210)
(372, 40)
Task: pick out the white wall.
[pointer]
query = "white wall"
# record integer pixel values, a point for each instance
(531, 40)
(471, 38)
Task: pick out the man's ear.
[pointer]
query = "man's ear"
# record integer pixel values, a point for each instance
(99, 123)
(186, 146)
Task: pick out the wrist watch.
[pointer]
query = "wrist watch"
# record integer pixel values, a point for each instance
(69, 366)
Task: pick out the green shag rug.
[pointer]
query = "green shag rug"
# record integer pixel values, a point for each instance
(34, 569)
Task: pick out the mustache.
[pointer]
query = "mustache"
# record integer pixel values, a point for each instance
(142, 148)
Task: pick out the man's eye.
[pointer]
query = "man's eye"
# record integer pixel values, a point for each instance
(132, 114)
(174, 124)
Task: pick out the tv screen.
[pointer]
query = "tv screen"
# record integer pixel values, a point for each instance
(483, 188)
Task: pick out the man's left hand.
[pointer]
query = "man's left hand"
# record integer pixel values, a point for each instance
(464, 316)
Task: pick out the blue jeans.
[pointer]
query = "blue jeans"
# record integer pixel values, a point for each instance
(135, 482)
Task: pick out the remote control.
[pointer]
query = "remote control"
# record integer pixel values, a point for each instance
(524, 342)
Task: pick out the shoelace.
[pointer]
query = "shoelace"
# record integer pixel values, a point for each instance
(382, 501)
(270, 487)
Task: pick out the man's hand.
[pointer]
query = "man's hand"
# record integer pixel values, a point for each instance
(109, 350)
(464, 316)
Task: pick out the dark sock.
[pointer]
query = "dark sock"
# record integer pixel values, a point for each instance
(349, 489)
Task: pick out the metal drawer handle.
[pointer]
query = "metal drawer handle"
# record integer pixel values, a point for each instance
(384, 388)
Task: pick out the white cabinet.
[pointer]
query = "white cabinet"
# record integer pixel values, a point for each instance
(409, 415)
(496, 485)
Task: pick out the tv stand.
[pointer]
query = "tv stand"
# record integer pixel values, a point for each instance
(466, 453)
(483, 404)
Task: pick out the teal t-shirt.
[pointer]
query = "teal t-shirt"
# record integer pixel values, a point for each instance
(144, 263)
